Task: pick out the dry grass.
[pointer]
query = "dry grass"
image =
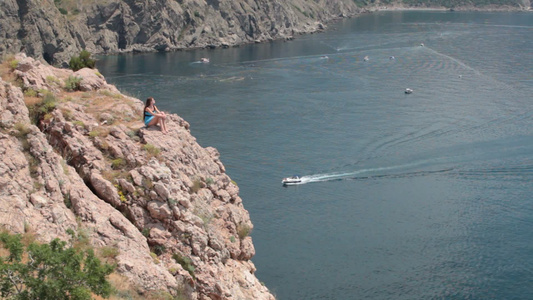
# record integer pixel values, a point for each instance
(100, 102)
(6, 72)
(30, 101)
(123, 288)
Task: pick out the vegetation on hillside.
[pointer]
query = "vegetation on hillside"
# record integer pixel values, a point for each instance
(50, 271)
(460, 3)
(441, 3)
(84, 60)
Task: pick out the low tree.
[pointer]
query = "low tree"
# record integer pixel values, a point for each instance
(50, 271)
(82, 61)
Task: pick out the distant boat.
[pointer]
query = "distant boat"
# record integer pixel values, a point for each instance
(366, 58)
(291, 180)
(408, 91)
(204, 60)
(421, 44)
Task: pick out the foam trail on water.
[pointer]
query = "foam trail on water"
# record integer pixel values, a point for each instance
(338, 176)
(361, 173)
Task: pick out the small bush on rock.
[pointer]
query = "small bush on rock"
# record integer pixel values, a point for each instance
(13, 64)
(83, 61)
(152, 150)
(243, 230)
(196, 185)
(22, 130)
(118, 163)
(72, 83)
(38, 110)
(185, 262)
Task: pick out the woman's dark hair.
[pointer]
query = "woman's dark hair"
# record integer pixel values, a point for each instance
(148, 102)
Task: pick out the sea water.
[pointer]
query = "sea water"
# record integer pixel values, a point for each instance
(426, 195)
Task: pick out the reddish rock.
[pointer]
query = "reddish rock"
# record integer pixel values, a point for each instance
(124, 183)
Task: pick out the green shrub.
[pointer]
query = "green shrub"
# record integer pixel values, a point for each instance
(67, 201)
(243, 230)
(185, 262)
(72, 83)
(152, 150)
(99, 131)
(52, 80)
(38, 110)
(53, 272)
(93, 133)
(68, 115)
(154, 258)
(80, 239)
(30, 93)
(146, 232)
(34, 165)
(109, 252)
(79, 123)
(48, 104)
(22, 130)
(121, 195)
(117, 164)
(196, 185)
(172, 202)
(159, 249)
(13, 64)
(82, 61)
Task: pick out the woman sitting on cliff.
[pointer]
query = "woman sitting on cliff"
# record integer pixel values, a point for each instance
(153, 116)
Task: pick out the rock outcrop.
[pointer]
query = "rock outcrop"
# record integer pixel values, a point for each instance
(57, 30)
(88, 164)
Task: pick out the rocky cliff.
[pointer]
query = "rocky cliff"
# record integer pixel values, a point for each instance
(57, 30)
(74, 155)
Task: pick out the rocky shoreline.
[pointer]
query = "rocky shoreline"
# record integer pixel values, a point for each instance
(79, 158)
(54, 31)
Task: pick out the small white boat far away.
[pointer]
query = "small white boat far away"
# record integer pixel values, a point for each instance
(204, 60)
(408, 91)
(291, 180)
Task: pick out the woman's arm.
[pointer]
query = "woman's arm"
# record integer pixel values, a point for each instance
(156, 113)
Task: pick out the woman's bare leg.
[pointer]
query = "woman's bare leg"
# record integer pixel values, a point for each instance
(159, 121)
(163, 125)
(153, 122)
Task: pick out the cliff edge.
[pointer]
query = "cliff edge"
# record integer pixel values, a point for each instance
(75, 155)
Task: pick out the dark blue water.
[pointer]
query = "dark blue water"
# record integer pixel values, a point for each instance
(421, 196)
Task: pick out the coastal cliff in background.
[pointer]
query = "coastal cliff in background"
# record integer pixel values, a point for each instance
(57, 30)
(75, 155)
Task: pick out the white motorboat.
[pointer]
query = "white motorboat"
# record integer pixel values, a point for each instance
(408, 91)
(291, 180)
(204, 60)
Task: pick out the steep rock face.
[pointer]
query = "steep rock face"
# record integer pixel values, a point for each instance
(38, 28)
(162, 200)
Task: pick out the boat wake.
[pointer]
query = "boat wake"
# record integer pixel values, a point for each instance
(371, 173)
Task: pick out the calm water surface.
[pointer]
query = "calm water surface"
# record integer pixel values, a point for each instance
(421, 196)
